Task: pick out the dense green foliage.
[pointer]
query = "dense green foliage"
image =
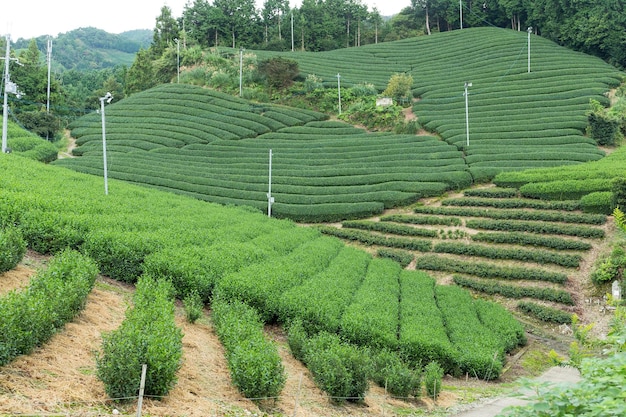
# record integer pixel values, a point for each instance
(148, 336)
(545, 313)
(255, 366)
(30, 317)
(12, 248)
(28, 145)
(219, 151)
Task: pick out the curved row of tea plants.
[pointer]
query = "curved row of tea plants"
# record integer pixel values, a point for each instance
(321, 171)
(517, 119)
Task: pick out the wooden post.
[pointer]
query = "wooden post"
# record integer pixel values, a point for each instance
(295, 407)
(142, 385)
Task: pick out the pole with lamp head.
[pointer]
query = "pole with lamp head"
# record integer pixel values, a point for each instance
(108, 97)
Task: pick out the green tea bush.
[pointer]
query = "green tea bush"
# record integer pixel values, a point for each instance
(525, 255)
(601, 202)
(55, 296)
(430, 220)
(148, 336)
(536, 227)
(526, 239)
(372, 317)
(391, 373)
(320, 301)
(387, 227)
(513, 203)
(193, 306)
(497, 318)
(339, 369)
(433, 379)
(49, 233)
(367, 238)
(12, 248)
(545, 313)
(492, 192)
(254, 363)
(487, 270)
(514, 291)
(404, 258)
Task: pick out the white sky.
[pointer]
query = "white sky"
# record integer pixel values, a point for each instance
(33, 18)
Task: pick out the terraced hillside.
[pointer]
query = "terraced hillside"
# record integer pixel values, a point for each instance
(215, 147)
(494, 242)
(517, 119)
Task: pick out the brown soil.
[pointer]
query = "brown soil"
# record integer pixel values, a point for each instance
(70, 146)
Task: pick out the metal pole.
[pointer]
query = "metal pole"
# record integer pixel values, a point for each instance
(104, 142)
(270, 199)
(339, 91)
(461, 12)
(530, 29)
(292, 31)
(5, 106)
(49, 65)
(467, 112)
(240, 71)
(177, 60)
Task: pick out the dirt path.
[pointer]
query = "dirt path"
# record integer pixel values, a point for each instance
(71, 144)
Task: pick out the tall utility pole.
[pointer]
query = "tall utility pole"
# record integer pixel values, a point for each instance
(461, 12)
(177, 60)
(270, 199)
(5, 106)
(467, 112)
(530, 30)
(108, 97)
(49, 55)
(339, 91)
(240, 71)
(292, 31)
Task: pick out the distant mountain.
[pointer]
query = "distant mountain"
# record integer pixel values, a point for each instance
(89, 48)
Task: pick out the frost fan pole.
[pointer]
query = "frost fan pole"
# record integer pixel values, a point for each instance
(467, 112)
(270, 199)
(530, 29)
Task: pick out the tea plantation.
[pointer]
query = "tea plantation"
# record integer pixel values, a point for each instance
(283, 273)
(517, 119)
(215, 147)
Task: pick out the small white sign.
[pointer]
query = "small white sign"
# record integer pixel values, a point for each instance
(617, 291)
(384, 101)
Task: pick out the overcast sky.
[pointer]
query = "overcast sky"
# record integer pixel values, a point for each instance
(33, 18)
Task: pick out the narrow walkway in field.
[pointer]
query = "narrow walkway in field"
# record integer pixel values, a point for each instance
(556, 375)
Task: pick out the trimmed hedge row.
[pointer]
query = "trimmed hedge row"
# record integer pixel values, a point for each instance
(429, 220)
(512, 203)
(479, 350)
(148, 336)
(565, 189)
(422, 334)
(261, 285)
(404, 258)
(498, 319)
(495, 192)
(514, 291)
(320, 302)
(254, 363)
(525, 255)
(518, 238)
(545, 313)
(373, 239)
(55, 296)
(372, 317)
(387, 227)
(485, 270)
(510, 214)
(12, 248)
(602, 202)
(536, 227)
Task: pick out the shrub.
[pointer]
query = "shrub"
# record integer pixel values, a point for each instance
(148, 336)
(12, 248)
(29, 318)
(433, 377)
(255, 366)
(601, 202)
(193, 306)
(339, 369)
(544, 313)
(395, 376)
(404, 258)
